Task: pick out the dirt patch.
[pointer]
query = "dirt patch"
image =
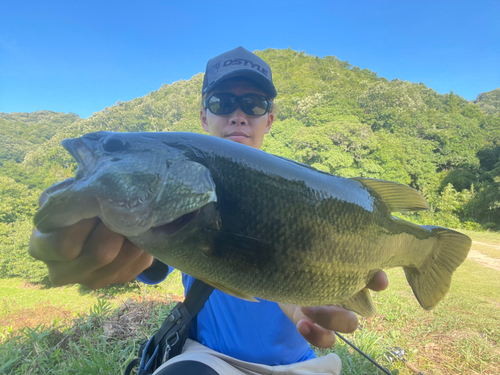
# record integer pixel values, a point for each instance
(27, 285)
(131, 316)
(484, 260)
(486, 244)
(44, 314)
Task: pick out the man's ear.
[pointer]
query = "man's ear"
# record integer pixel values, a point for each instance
(270, 120)
(203, 119)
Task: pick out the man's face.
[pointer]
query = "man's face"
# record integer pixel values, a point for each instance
(237, 126)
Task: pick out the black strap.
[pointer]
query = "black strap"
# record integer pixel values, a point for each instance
(197, 296)
(172, 335)
(132, 364)
(185, 311)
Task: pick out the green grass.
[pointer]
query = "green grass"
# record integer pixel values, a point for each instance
(487, 243)
(92, 339)
(96, 343)
(17, 295)
(460, 336)
(486, 249)
(23, 304)
(492, 238)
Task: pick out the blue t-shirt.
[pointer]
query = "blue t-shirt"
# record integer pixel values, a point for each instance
(256, 332)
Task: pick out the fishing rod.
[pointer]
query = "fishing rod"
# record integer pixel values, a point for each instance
(399, 354)
(380, 367)
(396, 352)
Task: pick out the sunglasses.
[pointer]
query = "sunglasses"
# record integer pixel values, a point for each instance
(251, 104)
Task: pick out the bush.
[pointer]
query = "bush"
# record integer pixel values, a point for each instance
(14, 258)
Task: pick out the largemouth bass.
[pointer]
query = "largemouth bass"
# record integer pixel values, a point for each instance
(250, 223)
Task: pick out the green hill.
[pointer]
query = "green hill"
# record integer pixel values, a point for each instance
(490, 102)
(334, 116)
(20, 132)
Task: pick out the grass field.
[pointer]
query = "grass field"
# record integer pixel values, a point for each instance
(487, 243)
(28, 305)
(86, 332)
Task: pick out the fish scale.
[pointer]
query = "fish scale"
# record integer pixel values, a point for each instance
(253, 224)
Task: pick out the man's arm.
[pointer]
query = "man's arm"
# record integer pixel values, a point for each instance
(155, 274)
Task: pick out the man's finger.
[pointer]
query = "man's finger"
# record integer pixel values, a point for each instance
(62, 245)
(102, 247)
(125, 263)
(379, 282)
(315, 334)
(333, 318)
(129, 263)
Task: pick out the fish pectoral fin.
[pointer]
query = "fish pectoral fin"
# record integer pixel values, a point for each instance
(230, 291)
(361, 303)
(397, 197)
(243, 251)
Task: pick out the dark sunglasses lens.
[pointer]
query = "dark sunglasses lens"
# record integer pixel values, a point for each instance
(255, 105)
(251, 104)
(222, 104)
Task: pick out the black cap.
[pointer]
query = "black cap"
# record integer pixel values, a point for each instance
(239, 62)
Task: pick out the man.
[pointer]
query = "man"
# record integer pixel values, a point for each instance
(229, 335)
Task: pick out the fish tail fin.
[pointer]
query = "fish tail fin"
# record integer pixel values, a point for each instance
(361, 303)
(431, 281)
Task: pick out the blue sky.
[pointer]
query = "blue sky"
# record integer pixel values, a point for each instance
(82, 56)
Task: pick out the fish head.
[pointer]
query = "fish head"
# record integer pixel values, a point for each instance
(122, 171)
(132, 181)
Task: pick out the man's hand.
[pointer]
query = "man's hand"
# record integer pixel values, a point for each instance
(318, 324)
(88, 253)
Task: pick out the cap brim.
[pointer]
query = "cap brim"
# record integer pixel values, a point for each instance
(263, 83)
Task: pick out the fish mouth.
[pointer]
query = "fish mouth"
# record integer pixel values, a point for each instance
(63, 185)
(175, 226)
(82, 154)
(55, 190)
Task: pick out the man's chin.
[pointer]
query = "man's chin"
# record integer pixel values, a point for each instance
(239, 139)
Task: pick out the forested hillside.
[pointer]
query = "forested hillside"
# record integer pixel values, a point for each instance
(20, 132)
(334, 116)
(489, 102)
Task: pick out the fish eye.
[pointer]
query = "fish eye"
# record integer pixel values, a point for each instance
(114, 143)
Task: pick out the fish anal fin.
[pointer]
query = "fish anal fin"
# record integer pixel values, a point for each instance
(230, 291)
(432, 280)
(361, 303)
(397, 197)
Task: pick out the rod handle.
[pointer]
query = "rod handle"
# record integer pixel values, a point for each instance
(412, 368)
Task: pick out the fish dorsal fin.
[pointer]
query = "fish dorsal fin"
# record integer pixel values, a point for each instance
(397, 197)
(230, 291)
